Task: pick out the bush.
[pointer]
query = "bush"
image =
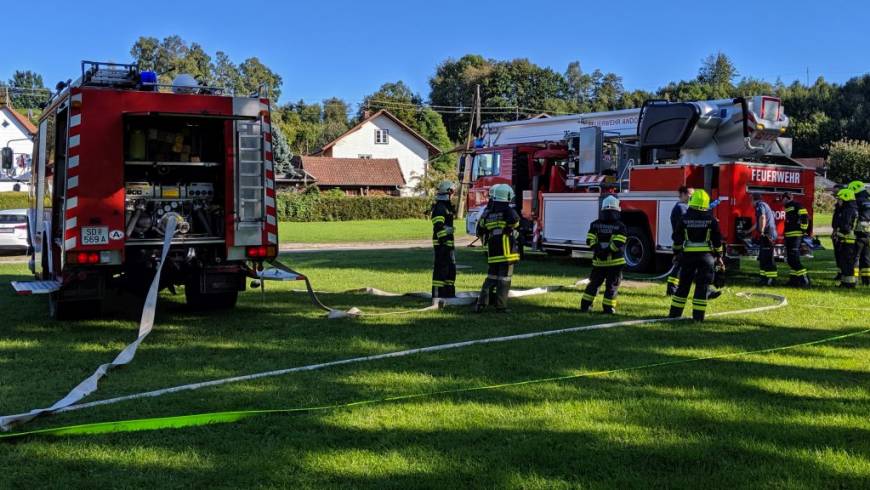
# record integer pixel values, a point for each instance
(13, 200)
(823, 201)
(325, 207)
(849, 160)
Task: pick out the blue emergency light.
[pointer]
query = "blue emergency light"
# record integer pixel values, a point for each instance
(148, 78)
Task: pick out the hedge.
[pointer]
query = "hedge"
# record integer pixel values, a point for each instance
(323, 207)
(13, 200)
(824, 200)
(312, 207)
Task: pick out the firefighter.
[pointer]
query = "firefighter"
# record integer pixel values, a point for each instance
(835, 240)
(607, 238)
(497, 229)
(862, 230)
(844, 227)
(797, 223)
(765, 225)
(698, 248)
(677, 214)
(444, 269)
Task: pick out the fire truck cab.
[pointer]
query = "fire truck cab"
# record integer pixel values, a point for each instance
(116, 154)
(562, 167)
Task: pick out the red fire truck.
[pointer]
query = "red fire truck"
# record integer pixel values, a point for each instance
(561, 167)
(116, 154)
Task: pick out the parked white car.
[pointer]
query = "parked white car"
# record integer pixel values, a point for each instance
(13, 229)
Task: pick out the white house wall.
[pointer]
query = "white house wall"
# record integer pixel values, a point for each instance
(13, 131)
(403, 146)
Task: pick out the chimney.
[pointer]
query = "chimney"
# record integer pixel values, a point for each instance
(367, 114)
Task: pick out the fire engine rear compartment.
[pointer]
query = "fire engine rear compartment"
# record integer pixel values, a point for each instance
(177, 165)
(174, 165)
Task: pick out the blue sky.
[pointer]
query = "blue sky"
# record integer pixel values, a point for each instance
(348, 49)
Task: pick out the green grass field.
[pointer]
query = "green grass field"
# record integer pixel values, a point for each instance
(822, 219)
(360, 231)
(793, 419)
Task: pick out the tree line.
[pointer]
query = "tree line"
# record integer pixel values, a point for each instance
(820, 113)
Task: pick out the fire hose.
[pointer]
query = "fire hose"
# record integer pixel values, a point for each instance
(234, 416)
(146, 325)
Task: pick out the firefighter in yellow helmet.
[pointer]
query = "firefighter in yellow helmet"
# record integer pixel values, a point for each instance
(444, 268)
(607, 237)
(862, 230)
(844, 228)
(497, 228)
(698, 250)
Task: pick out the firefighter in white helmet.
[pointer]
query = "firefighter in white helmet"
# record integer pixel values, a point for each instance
(497, 228)
(444, 269)
(607, 237)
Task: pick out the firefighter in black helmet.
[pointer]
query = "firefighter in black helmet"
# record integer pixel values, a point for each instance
(698, 249)
(797, 223)
(444, 269)
(497, 228)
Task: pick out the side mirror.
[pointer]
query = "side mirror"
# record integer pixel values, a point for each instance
(7, 157)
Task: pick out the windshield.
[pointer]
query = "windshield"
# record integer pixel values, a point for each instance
(486, 165)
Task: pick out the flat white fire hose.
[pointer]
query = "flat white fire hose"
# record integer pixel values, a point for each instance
(89, 385)
(779, 302)
(281, 272)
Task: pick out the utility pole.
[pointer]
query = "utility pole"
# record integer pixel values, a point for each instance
(808, 76)
(465, 179)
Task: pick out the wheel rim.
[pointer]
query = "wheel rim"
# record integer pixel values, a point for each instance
(634, 251)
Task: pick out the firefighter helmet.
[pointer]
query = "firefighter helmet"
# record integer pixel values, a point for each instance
(501, 193)
(846, 195)
(856, 186)
(700, 200)
(446, 187)
(610, 203)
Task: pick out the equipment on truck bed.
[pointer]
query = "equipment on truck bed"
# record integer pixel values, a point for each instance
(561, 167)
(116, 155)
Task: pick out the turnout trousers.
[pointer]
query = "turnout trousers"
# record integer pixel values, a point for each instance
(797, 272)
(444, 272)
(496, 286)
(862, 243)
(846, 259)
(765, 259)
(694, 268)
(673, 279)
(611, 276)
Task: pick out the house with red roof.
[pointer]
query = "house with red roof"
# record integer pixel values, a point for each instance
(353, 176)
(379, 155)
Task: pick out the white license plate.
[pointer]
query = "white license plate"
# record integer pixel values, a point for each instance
(95, 235)
(6, 230)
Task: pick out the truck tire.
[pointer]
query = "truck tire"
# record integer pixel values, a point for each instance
(60, 309)
(639, 250)
(214, 301)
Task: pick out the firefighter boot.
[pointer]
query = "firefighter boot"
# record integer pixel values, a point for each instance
(586, 302)
(699, 308)
(608, 306)
(677, 305)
